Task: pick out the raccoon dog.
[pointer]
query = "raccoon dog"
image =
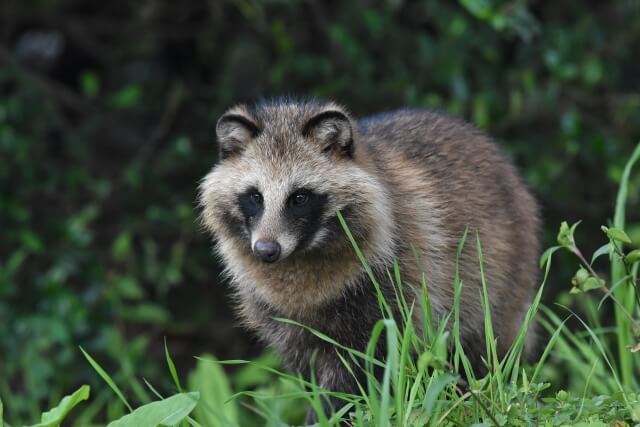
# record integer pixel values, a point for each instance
(408, 184)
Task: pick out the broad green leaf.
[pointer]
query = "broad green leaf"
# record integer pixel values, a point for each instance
(54, 417)
(1, 414)
(216, 408)
(167, 412)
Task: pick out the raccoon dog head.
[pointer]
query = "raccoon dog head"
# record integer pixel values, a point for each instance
(285, 168)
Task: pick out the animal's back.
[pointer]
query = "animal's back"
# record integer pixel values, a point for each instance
(445, 177)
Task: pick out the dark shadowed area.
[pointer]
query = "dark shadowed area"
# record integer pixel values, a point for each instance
(107, 116)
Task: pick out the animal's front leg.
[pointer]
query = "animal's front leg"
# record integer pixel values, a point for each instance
(332, 375)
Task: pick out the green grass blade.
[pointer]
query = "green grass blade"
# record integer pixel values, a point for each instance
(413, 391)
(600, 347)
(514, 353)
(385, 308)
(427, 313)
(404, 362)
(492, 352)
(557, 330)
(621, 199)
(172, 367)
(373, 386)
(391, 367)
(579, 352)
(103, 374)
(433, 394)
(457, 292)
(624, 294)
(333, 342)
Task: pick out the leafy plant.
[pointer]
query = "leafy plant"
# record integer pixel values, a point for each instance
(55, 416)
(622, 289)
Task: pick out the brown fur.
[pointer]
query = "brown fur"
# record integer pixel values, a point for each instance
(404, 180)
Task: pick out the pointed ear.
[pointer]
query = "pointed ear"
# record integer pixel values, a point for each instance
(234, 130)
(332, 129)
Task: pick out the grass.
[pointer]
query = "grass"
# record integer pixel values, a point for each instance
(588, 375)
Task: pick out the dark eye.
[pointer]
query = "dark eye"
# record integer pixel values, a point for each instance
(299, 199)
(256, 198)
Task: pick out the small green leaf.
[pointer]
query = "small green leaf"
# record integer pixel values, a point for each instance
(126, 97)
(632, 257)
(617, 234)
(604, 249)
(580, 277)
(480, 8)
(592, 283)
(565, 235)
(547, 255)
(584, 281)
(128, 287)
(146, 313)
(564, 238)
(121, 247)
(90, 84)
(31, 241)
(54, 417)
(166, 412)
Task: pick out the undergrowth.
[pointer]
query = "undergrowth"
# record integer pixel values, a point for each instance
(587, 375)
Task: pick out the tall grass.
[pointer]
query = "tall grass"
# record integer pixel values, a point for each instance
(595, 368)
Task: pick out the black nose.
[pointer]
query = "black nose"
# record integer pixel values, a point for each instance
(267, 250)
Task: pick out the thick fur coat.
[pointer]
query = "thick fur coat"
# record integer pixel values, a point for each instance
(407, 182)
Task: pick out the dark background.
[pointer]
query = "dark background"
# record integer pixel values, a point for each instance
(107, 114)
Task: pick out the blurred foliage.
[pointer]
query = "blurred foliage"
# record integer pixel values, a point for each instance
(106, 126)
